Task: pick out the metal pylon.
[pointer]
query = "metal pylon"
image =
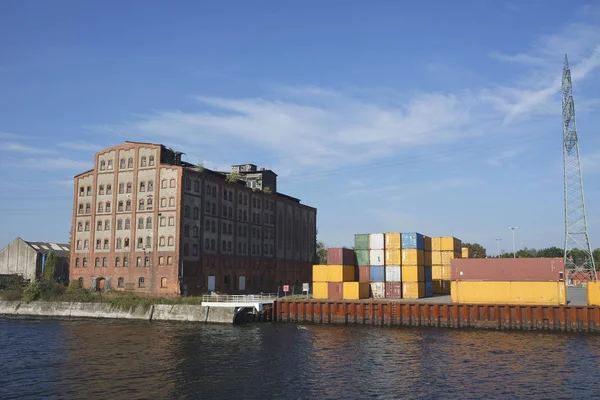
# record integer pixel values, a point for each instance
(579, 261)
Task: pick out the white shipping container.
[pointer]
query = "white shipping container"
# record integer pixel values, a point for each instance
(378, 290)
(376, 257)
(393, 273)
(376, 241)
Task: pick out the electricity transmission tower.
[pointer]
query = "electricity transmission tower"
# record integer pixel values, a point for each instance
(579, 261)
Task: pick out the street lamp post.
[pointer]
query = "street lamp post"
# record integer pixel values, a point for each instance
(498, 242)
(513, 233)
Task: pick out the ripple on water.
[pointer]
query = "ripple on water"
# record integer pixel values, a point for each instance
(123, 359)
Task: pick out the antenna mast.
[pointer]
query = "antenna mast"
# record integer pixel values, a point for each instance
(579, 261)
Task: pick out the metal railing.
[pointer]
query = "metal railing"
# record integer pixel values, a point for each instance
(240, 298)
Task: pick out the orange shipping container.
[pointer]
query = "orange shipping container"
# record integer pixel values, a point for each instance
(320, 290)
(496, 292)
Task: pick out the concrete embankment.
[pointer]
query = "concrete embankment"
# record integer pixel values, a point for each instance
(160, 312)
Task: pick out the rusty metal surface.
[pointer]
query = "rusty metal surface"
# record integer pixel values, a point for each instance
(508, 269)
(341, 256)
(393, 313)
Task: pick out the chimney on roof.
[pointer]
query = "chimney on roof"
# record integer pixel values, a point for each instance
(262, 169)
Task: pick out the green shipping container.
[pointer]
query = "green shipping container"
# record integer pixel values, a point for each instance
(362, 257)
(361, 242)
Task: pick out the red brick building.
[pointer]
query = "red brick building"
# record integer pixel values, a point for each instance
(146, 221)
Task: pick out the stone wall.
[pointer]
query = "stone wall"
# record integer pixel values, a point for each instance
(160, 312)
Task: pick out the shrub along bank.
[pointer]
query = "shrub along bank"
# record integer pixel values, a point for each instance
(12, 289)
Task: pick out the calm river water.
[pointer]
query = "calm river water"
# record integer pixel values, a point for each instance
(88, 359)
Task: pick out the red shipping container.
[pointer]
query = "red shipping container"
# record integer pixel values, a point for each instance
(341, 256)
(508, 269)
(393, 290)
(335, 290)
(364, 274)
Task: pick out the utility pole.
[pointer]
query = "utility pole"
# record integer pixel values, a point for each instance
(576, 232)
(498, 242)
(514, 248)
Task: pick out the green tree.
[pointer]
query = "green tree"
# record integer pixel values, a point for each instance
(50, 267)
(476, 250)
(321, 254)
(200, 167)
(233, 177)
(526, 253)
(551, 252)
(596, 255)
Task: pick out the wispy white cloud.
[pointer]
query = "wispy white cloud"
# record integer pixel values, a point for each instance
(57, 164)
(322, 128)
(20, 148)
(500, 160)
(78, 145)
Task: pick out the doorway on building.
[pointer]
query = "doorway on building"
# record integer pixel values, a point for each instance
(100, 284)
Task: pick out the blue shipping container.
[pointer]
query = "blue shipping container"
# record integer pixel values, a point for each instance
(428, 274)
(412, 241)
(428, 289)
(377, 273)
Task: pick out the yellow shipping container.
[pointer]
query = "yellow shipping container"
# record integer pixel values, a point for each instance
(319, 273)
(466, 253)
(340, 273)
(426, 243)
(593, 293)
(441, 286)
(320, 290)
(436, 272)
(518, 293)
(436, 243)
(333, 273)
(436, 258)
(427, 258)
(446, 272)
(412, 273)
(413, 290)
(393, 240)
(393, 256)
(356, 290)
(449, 255)
(449, 243)
(412, 257)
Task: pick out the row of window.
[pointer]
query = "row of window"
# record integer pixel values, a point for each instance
(141, 282)
(103, 207)
(123, 164)
(140, 261)
(124, 242)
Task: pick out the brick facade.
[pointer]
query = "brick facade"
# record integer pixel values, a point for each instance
(187, 229)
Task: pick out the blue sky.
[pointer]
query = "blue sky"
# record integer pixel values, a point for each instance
(387, 116)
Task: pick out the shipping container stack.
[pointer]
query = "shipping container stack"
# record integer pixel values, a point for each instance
(361, 248)
(444, 249)
(377, 265)
(524, 281)
(336, 280)
(413, 266)
(393, 269)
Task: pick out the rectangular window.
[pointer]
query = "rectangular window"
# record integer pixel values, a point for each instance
(125, 261)
(161, 260)
(77, 263)
(169, 260)
(171, 241)
(162, 241)
(139, 262)
(172, 202)
(163, 221)
(140, 243)
(108, 189)
(163, 202)
(171, 221)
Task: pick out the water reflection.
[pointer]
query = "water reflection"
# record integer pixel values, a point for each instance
(120, 359)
